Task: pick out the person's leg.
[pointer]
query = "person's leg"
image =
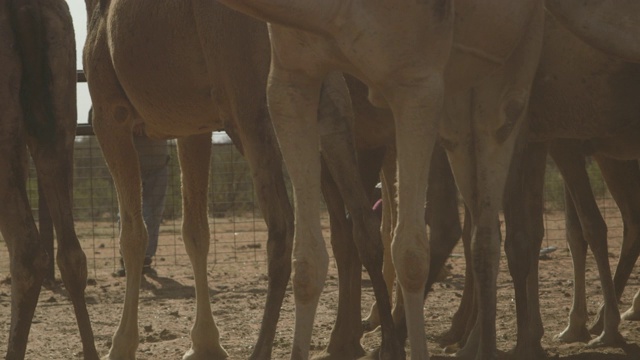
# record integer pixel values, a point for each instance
(154, 188)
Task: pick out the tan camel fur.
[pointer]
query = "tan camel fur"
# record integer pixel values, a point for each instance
(582, 101)
(608, 25)
(38, 113)
(401, 50)
(203, 81)
(196, 89)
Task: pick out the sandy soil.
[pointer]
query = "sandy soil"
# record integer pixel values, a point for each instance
(238, 289)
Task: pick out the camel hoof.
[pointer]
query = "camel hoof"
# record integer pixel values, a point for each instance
(573, 334)
(210, 354)
(370, 325)
(607, 339)
(345, 352)
(397, 353)
(449, 338)
(631, 315)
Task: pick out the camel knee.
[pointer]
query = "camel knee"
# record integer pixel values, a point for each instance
(32, 268)
(512, 108)
(412, 267)
(308, 278)
(72, 262)
(196, 242)
(118, 113)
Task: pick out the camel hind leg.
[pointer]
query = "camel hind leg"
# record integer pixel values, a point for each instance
(253, 134)
(112, 119)
(194, 153)
(623, 180)
(50, 118)
(28, 259)
(346, 332)
(480, 138)
(571, 164)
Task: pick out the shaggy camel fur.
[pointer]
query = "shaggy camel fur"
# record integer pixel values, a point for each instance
(187, 105)
(582, 101)
(38, 91)
(407, 54)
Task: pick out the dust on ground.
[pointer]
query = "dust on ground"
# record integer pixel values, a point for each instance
(238, 291)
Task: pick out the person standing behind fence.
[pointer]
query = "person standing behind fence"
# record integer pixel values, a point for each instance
(154, 157)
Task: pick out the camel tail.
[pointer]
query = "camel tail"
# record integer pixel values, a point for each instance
(35, 89)
(104, 4)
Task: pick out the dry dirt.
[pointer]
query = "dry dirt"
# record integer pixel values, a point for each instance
(238, 289)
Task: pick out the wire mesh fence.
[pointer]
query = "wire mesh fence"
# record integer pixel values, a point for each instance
(236, 226)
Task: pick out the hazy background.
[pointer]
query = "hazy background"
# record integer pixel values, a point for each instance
(79, 14)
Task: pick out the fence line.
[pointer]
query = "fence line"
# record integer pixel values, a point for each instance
(238, 232)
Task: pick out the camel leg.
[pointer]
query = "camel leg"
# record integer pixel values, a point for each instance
(293, 113)
(345, 336)
(634, 311)
(524, 206)
(50, 118)
(193, 151)
(623, 180)
(389, 211)
(572, 167)
(442, 213)
(117, 147)
(576, 330)
(112, 118)
(480, 138)
(256, 140)
(28, 258)
(56, 161)
(339, 155)
(460, 320)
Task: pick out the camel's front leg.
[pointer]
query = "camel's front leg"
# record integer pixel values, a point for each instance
(112, 125)
(28, 257)
(623, 181)
(338, 151)
(54, 163)
(194, 151)
(258, 143)
(293, 102)
(417, 111)
(480, 138)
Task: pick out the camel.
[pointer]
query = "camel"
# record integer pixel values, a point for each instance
(38, 88)
(187, 105)
(309, 40)
(599, 118)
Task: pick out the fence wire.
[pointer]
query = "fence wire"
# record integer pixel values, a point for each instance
(237, 231)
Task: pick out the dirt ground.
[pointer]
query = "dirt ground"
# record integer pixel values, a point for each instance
(238, 290)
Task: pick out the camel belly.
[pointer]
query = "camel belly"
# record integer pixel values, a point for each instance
(580, 92)
(159, 61)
